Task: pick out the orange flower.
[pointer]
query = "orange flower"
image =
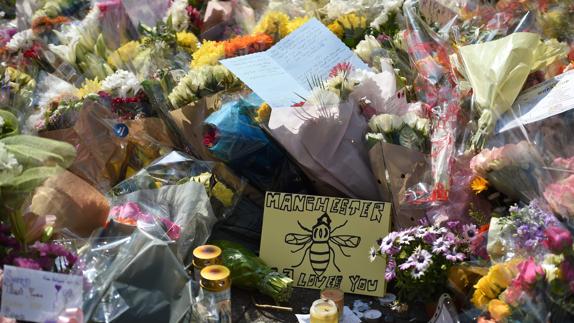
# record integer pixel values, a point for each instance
(243, 45)
(479, 184)
(45, 23)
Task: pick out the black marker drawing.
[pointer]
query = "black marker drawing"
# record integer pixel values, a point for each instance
(317, 242)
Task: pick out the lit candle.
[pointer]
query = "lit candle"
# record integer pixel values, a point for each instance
(324, 311)
(337, 296)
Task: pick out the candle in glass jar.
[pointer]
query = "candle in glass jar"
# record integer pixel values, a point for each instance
(337, 296)
(324, 311)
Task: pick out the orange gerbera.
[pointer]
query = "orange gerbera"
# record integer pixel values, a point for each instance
(479, 184)
(249, 44)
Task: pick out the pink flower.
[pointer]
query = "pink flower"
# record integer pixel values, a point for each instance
(173, 230)
(129, 210)
(567, 270)
(528, 273)
(557, 239)
(35, 225)
(560, 196)
(26, 263)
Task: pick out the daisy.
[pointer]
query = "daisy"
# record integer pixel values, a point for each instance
(388, 242)
(454, 256)
(421, 258)
(441, 245)
(469, 231)
(405, 238)
(417, 273)
(435, 229)
(390, 269)
(372, 254)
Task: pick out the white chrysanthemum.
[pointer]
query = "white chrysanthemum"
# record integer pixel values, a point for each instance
(337, 8)
(9, 166)
(121, 82)
(178, 13)
(21, 40)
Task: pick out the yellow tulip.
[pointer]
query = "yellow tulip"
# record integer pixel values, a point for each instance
(499, 310)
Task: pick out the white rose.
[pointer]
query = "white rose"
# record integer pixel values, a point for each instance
(423, 126)
(367, 48)
(410, 119)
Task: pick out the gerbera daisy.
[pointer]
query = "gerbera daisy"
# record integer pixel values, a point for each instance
(479, 184)
(469, 231)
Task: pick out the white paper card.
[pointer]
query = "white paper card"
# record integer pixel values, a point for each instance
(541, 101)
(37, 296)
(279, 75)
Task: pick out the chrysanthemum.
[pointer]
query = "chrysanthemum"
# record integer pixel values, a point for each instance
(296, 23)
(479, 184)
(273, 23)
(188, 41)
(209, 53)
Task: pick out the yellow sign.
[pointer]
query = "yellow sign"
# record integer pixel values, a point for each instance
(324, 242)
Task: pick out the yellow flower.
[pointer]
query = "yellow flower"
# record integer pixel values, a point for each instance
(126, 53)
(296, 23)
(488, 288)
(498, 309)
(479, 299)
(209, 53)
(223, 194)
(502, 274)
(337, 29)
(89, 87)
(479, 184)
(263, 113)
(187, 41)
(353, 21)
(274, 23)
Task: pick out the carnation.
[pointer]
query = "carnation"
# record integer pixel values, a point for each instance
(122, 82)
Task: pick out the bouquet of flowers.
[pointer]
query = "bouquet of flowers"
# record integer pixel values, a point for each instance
(419, 258)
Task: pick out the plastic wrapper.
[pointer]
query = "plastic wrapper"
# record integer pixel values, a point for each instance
(224, 19)
(343, 163)
(106, 155)
(232, 136)
(178, 168)
(126, 279)
(435, 85)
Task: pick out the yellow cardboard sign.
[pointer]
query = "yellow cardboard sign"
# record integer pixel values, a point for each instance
(324, 242)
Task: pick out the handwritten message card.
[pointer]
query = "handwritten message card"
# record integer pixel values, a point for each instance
(37, 296)
(280, 75)
(324, 242)
(539, 102)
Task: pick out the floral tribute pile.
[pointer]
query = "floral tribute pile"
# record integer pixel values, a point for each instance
(123, 137)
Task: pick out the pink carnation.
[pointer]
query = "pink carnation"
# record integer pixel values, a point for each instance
(129, 210)
(497, 158)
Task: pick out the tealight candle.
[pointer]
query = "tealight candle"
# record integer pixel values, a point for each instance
(324, 311)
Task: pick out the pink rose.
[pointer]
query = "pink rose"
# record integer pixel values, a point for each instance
(129, 210)
(529, 273)
(557, 239)
(560, 196)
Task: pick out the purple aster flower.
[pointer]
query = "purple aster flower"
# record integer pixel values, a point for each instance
(372, 254)
(388, 242)
(469, 231)
(454, 256)
(421, 258)
(406, 265)
(405, 238)
(441, 245)
(417, 273)
(390, 269)
(26, 263)
(420, 232)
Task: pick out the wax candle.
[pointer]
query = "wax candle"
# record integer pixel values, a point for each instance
(324, 311)
(337, 296)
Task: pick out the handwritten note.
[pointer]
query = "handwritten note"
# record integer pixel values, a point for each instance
(37, 296)
(539, 102)
(280, 75)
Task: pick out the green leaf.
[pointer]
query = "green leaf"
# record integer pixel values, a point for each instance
(33, 151)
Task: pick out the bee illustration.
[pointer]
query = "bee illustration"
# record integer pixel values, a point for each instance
(318, 244)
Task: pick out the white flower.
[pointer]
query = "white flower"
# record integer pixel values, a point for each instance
(336, 8)
(410, 119)
(372, 254)
(382, 123)
(393, 5)
(21, 40)
(121, 82)
(9, 166)
(381, 19)
(1, 123)
(368, 48)
(178, 14)
(420, 259)
(441, 245)
(397, 122)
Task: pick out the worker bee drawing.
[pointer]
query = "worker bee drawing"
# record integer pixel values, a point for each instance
(319, 242)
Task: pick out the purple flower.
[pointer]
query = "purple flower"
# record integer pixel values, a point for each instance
(388, 242)
(26, 263)
(372, 254)
(405, 238)
(406, 265)
(390, 269)
(420, 258)
(417, 273)
(441, 245)
(469, 232)
(454, 256)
